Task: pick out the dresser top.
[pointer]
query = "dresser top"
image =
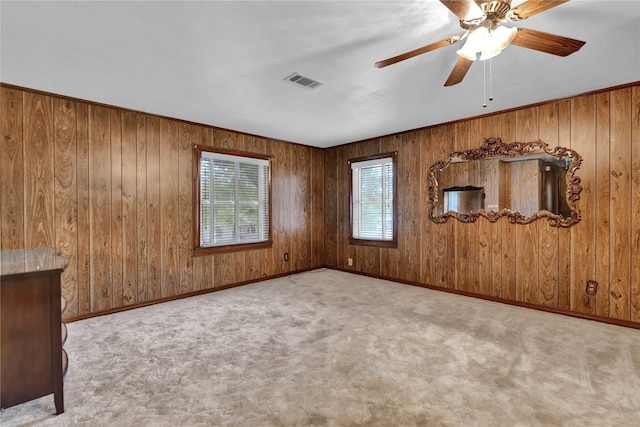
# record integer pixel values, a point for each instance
(22, 261)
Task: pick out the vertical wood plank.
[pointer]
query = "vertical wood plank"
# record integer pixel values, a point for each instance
(602, 222)
(451, 260)
(526, 234)
(496, 260)
(486, 129)
(280, 194)
(238, 264)
(509, 265)
(141, 208)
(409, 216)
(564, 234)
(12, 169)
(169, 194)
(342, 206)
(440, 232)
(462, 267)
(300, 258)
(275, 150)
(426, 225)
(38, 171)
(255, 144)
(66, 198)
(226, 139)
(548, 269)
(129, 213)
(185, 208)
(278, 199)
(84, 242)
(317, 208)
(635, 200)
(474, 229)
(330, 207)
(583, 260)
(154, 249)
(252, 265)
(100, 209)
(620, 209)
(117, 262)
(225, 269)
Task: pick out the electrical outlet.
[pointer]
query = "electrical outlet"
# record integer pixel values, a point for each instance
(592, 287)
(350, 262)
(286, 256)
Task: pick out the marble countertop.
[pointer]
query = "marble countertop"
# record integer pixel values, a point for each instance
(20, 261)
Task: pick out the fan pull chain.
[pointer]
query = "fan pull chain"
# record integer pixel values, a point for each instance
(490, 79)
(484, 83)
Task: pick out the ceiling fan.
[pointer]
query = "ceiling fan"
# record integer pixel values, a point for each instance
(485, 38)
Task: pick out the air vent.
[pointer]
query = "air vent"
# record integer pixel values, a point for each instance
(303, 81)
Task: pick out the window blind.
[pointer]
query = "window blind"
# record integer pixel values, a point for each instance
(234, 199)
(372, 199)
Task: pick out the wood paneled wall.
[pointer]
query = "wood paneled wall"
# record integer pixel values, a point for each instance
(113, 190)
(534, 263)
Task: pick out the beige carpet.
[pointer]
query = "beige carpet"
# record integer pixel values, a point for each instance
(328, 348)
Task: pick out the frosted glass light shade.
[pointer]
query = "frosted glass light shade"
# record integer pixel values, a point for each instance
(484, 44)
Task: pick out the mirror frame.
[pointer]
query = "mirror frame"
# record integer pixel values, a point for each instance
(492, 148)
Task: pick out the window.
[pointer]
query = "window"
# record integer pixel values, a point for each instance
(373, 201)
(233, 195)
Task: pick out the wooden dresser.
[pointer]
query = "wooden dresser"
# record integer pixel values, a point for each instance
(32, 361)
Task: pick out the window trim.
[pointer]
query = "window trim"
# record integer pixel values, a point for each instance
(208, 250)
(393, 243)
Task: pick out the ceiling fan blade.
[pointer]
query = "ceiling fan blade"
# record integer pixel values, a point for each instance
(459, 71)
(532, 7)
(465, 10)
(546, 42)
(416, 52)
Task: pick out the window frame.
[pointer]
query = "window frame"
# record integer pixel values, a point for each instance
(393, 243)
(206, 250)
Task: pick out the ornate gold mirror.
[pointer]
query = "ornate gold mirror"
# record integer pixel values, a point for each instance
(523, 181)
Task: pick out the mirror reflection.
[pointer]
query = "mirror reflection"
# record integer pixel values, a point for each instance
(524, 184)
(523, 181)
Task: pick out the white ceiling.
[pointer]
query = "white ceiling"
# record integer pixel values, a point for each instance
(222, 63)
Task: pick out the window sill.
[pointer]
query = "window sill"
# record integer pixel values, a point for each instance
(202, 251)
(376, 243)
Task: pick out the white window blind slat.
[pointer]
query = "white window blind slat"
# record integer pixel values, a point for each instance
(372, 199)
(234, 199)
(205, 202)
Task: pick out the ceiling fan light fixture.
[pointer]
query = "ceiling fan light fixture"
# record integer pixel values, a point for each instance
(476, 40)
(501, 38)
(483, 43)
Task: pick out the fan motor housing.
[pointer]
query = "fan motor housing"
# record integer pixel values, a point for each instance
(495, 9)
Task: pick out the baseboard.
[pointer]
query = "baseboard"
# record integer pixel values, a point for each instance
(186, 295)
(586, 316)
